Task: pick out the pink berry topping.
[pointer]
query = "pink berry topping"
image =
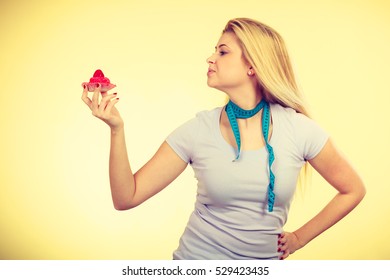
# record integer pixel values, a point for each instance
(97, 80)
(98, 77)
(98, 73)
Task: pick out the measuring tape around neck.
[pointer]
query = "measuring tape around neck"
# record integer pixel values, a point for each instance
(234, 112)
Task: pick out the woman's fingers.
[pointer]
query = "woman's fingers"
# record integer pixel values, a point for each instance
(288, 243)
(111, 104)
(95, 99)
(282, 239)
(85, 97)
(106, 100)
(102, 110)
(103, 93)
(100, 107)
(285, 255)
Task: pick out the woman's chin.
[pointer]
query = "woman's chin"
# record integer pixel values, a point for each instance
(212, 84)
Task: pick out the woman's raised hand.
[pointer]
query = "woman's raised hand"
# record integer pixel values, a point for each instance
(104, 108)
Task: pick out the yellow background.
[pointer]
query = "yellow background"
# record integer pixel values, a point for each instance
(55, 201)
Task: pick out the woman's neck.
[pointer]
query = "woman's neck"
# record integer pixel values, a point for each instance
(246, 101)
(245, 97)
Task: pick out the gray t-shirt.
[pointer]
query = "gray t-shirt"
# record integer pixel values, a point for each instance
(231, 219)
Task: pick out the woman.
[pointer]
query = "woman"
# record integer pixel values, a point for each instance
(246, 155)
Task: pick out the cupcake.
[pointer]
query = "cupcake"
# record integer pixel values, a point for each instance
(98, 78)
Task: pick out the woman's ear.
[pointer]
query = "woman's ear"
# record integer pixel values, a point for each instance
(251, 72)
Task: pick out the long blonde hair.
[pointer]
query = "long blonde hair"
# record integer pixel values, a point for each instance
(265, 50)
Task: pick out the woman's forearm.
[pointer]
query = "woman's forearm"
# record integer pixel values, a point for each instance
(333, 212)
(154, 176)
(340, 174)
(121, 176)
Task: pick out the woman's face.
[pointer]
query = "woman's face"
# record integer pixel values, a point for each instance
(228, 69)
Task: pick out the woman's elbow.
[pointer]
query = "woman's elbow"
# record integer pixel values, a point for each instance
(359, 192)
(362, 191)
(123, 206)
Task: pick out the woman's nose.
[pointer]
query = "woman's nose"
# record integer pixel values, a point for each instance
(211, 59)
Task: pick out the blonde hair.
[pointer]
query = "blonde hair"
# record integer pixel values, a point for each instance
(264, 49)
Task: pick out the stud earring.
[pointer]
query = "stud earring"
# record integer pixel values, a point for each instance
(250, 73)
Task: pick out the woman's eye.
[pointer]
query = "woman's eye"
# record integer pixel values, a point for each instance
(222, 53)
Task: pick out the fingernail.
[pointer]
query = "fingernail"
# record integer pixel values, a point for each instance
(278, 249)
(115, 93)
(97, 85)
(84, 86)
(117, 98)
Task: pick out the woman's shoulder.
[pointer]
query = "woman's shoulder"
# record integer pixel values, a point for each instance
(184, 138)
(287, 114)
(209, 114)
(201, 119)
(287, 111)
(308, 136)
(290, 120)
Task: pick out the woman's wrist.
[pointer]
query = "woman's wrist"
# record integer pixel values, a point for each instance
(301, 244)
(117, 129)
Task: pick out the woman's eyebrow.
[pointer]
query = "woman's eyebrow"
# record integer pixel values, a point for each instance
(222, 45)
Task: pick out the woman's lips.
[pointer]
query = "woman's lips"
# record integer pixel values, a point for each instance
(210, 72)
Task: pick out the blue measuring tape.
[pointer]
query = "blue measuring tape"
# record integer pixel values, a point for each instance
(234, 112)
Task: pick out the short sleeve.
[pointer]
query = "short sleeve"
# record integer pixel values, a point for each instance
(182, 139)
(310, 137)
